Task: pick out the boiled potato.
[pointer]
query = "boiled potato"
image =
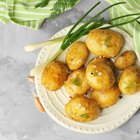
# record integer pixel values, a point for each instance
(54, 75)
(77, 55)
(106, 43)
(106, 98)
(127, 59)
(82, 109)
(104, 60)
(76, 83)
(129, 81)
(100, 76)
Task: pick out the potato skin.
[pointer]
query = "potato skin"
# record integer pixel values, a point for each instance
(77, 55)
(82, 109)
(109, 62)
(106, 98)
(125, 60)
(76, 83)
(100, 76)
(129, 81)
(106, 43)
(54, 75)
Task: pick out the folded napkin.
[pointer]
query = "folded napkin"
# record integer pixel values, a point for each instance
(131, 7)
(24, 13)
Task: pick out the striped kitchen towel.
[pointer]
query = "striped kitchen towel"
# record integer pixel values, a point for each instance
(24, 13)
(131, 7)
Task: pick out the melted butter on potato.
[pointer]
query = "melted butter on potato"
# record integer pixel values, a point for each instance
(76, 83)
(125, 60)
(77, 55)
(100, 75)
(106, 43)
(82, 109)
(106, 98)
(129, 81)
(54, 75)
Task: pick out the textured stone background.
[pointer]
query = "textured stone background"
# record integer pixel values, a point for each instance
(19, 119)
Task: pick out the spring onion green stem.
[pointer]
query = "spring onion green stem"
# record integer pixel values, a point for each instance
(80, 20)
(93, 18)
(76, 35)
(119, 24)
(109, 21)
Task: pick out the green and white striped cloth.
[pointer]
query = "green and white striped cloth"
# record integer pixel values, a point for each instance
(131, 7)
(22, 12)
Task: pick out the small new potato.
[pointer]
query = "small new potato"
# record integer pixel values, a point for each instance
(109, 62)
(76, 83)
(82, 109)
(77, 55)
(106, 43)
(106, 98)
(129, 81)
(54, 75)
(125, 60)
(100, 75)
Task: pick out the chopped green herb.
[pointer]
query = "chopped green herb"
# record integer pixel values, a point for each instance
(77, 81)
(84, 116)
(130, 85)
(106, 42)
(94, 73)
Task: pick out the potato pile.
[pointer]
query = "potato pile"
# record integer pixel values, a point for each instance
(99, 76)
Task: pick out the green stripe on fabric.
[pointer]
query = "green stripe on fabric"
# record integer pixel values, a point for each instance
(136, 36)
(4, 20)
(132, 28)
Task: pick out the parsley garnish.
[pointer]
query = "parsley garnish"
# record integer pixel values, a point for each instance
(106, 42)
(94, 73)
(84, 116)
(130, 85)
(77, 81)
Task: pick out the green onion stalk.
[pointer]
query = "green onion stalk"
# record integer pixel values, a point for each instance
(75, 34)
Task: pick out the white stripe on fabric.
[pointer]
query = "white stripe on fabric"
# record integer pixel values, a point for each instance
(2, 15)
(136, 3)
(19, 5)
(36, 27)
(33, 2)
(134, 35)
(29, 6)
(132, 6)
(22, 12)
(2, 3)
(2, 9)
(125, 9)
(135, 43)
(112, 14)
(31, 24)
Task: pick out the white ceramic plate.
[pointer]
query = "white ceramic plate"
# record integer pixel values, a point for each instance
(53, 102)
